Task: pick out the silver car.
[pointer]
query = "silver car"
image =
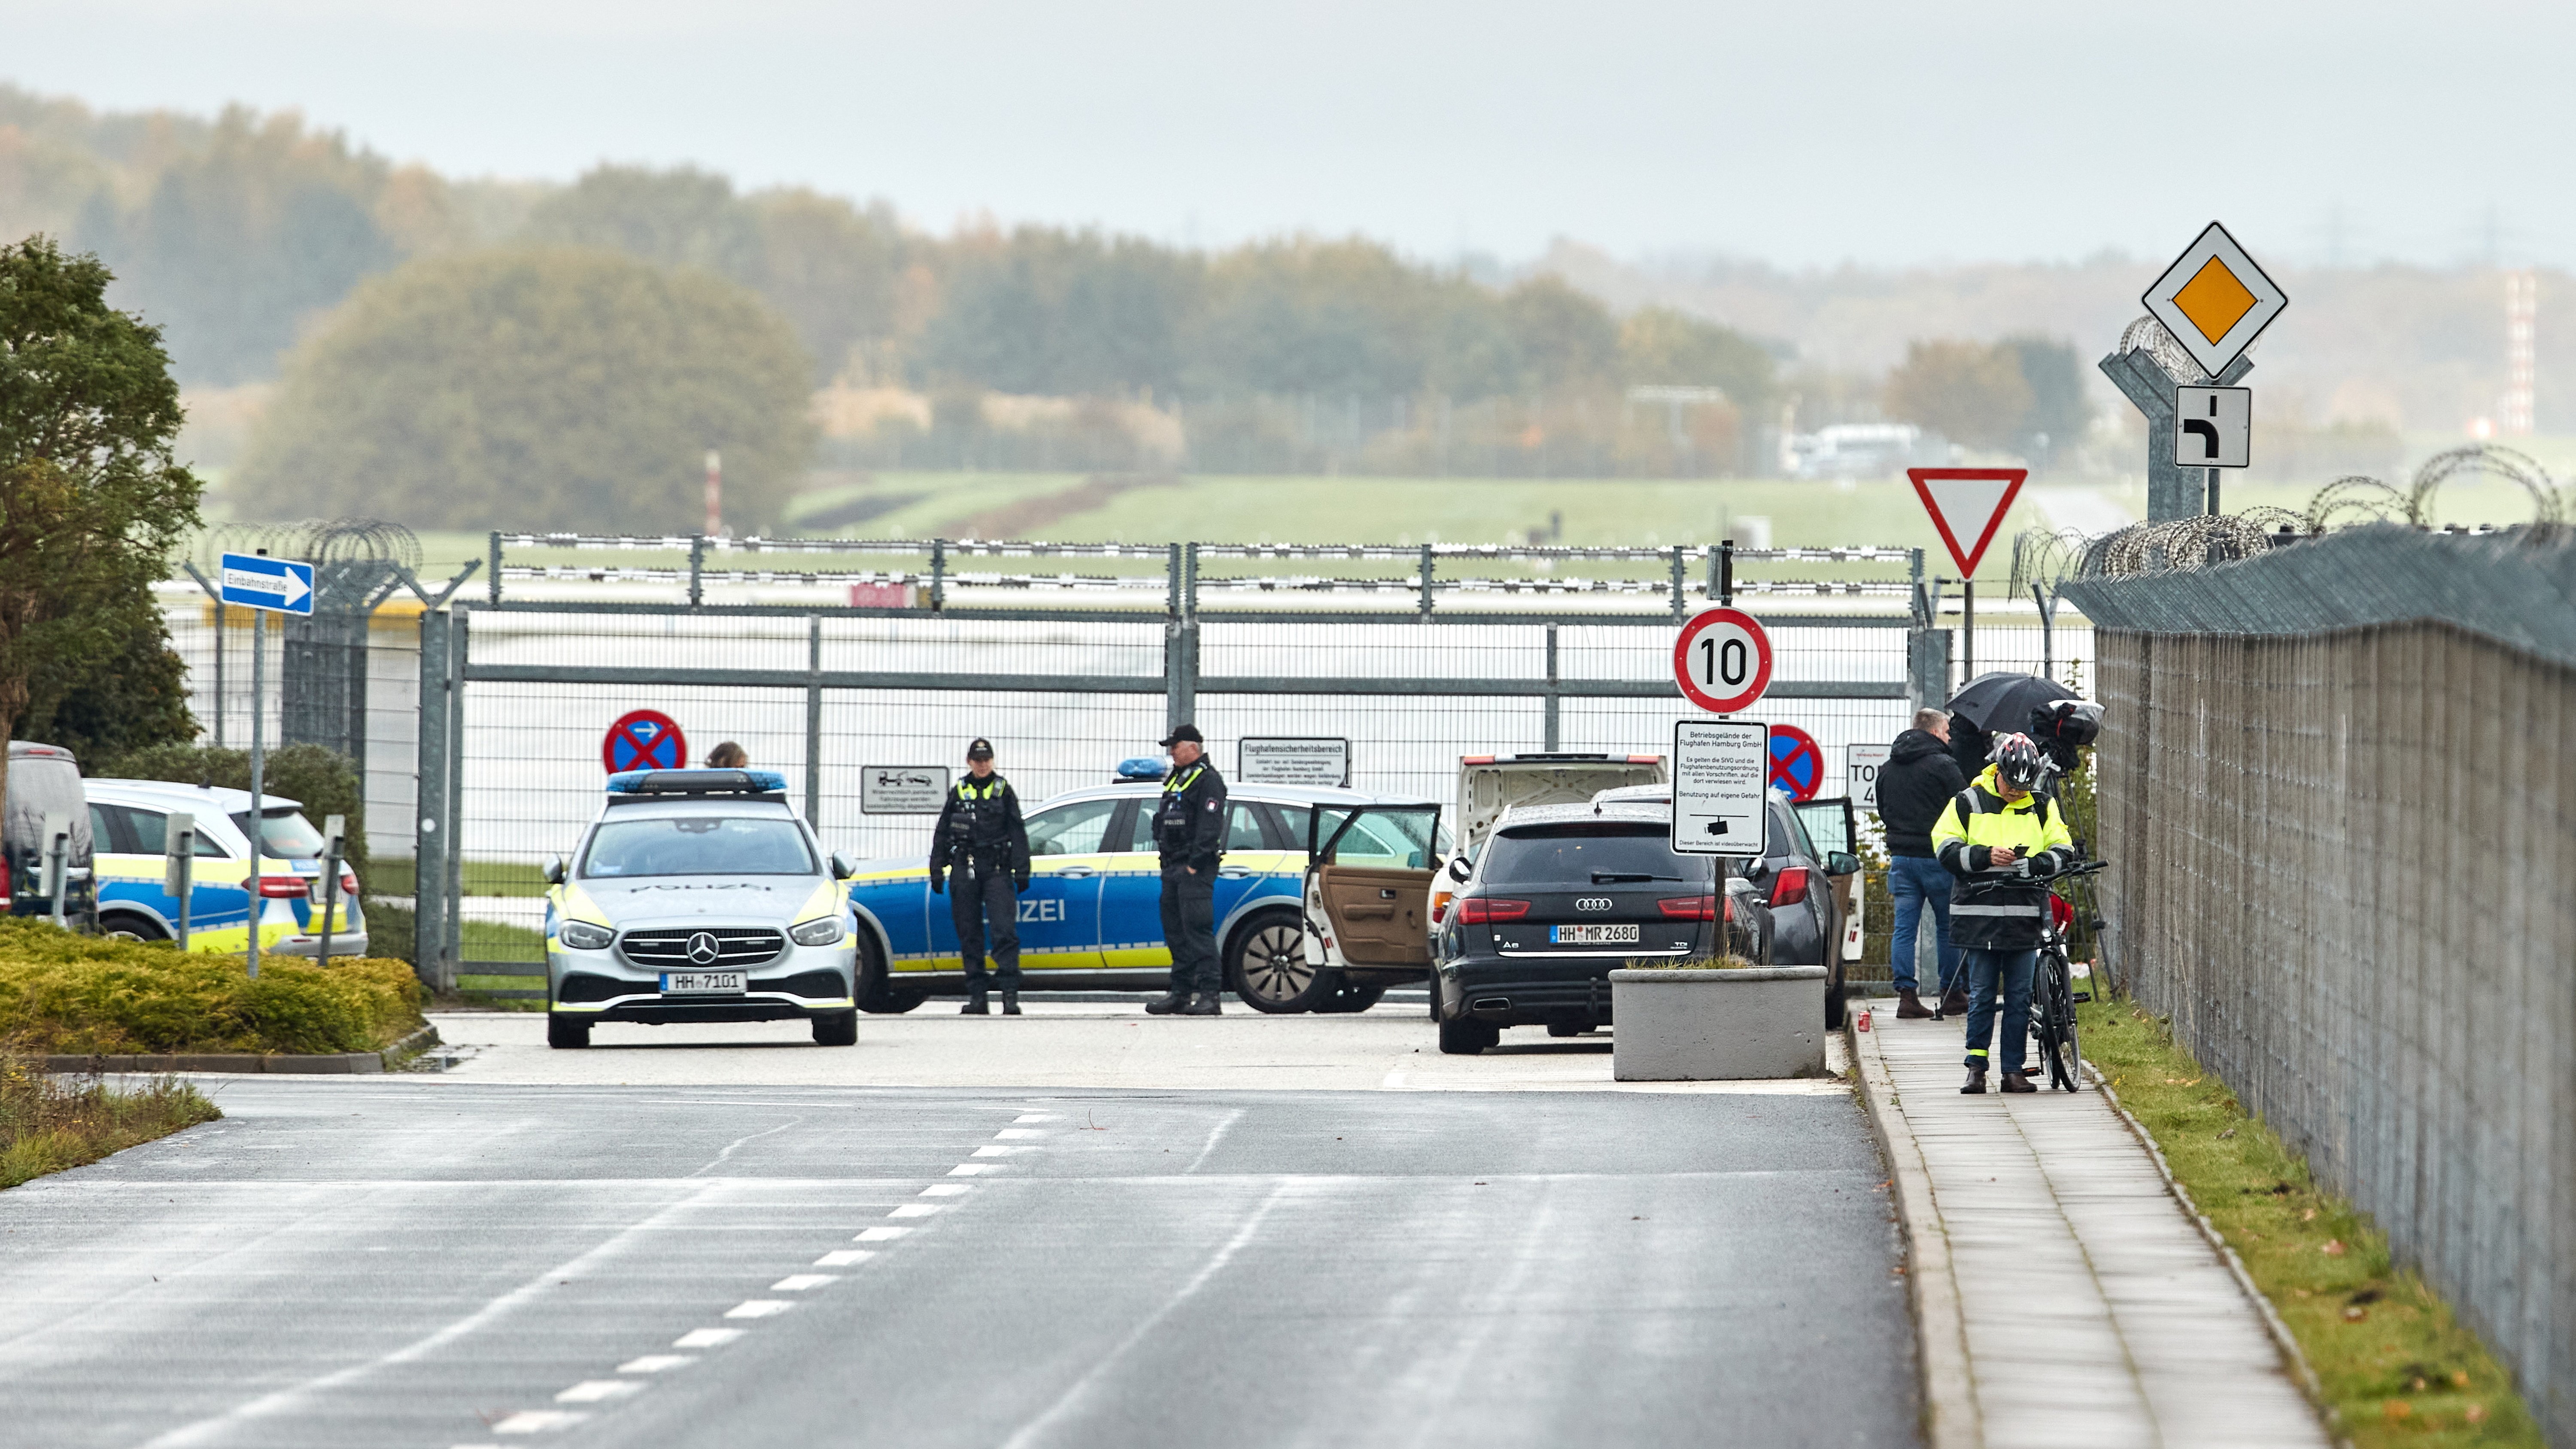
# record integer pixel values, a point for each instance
(698, 895)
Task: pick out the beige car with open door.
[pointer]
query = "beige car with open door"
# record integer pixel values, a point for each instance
(1368, 876)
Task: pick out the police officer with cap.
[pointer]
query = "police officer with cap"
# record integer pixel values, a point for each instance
(982, 839)
(1189, 831)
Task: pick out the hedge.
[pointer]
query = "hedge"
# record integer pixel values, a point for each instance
(64, 993)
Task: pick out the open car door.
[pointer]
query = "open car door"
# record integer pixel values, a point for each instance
(1368, 877)
(1830, 825)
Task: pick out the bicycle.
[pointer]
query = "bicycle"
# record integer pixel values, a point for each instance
(2053, 993)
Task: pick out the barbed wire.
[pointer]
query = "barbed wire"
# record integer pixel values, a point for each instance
(317, 540)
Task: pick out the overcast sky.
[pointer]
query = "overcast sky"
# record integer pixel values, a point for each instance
(1804, 133)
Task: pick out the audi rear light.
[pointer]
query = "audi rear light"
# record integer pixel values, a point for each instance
(1730, 908)
(1688, 908)
(284, 887)
(1790, 887)
(4, 882)
(1475, 909)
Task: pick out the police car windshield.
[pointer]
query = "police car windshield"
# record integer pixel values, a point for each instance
(697, 845)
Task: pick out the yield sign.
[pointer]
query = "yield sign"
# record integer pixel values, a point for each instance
(1967, 505)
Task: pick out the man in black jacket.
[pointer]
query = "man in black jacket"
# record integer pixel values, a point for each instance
(1189, 832)
(1915, 785)
(981, 838)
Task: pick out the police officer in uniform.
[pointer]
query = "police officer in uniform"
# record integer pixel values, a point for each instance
(982, 840)
(1189, 831)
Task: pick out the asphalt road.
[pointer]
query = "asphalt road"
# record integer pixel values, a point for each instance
(440, 1262)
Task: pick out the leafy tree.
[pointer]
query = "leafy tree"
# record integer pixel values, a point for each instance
(1312, 317)
(1660, 345)
(679, 218)
(99, 707)
(2059, 409)
(836, 272)
(1565, 339)
(537, 389)
(1056, 312)
(92, 503)
(1966, 391)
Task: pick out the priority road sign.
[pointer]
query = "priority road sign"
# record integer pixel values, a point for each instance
(281, 585)
(2213, 427)
(1718, 770)
(1797, 762)
(2214, 300)
(1861, 764)
(644, 739)
(1722, 660)
(1967, 507)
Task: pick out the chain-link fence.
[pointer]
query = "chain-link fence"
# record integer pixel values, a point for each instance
(2338, 793)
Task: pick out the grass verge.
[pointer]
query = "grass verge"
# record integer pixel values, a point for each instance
(48, 1123)
(2394, 1364)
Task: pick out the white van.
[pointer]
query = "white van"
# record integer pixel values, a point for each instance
(1488, 785)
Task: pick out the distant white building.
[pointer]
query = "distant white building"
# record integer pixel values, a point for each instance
(1862, 450)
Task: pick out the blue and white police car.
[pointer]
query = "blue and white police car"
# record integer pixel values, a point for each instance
(1091, 918)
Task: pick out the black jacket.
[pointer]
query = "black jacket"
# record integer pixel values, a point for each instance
(1189, 818)
(980, 830)
(1914, 787)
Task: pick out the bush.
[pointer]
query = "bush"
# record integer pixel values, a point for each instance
(320, 778)
(79, 994)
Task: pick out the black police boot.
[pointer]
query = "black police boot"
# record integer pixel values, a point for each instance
(1203, 1004)
(1166, 1005)
(1976, 1086)
(1010, 1003)
(976, 1005)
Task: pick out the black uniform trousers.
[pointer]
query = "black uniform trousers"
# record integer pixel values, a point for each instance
(1189, 928)
(972, 901)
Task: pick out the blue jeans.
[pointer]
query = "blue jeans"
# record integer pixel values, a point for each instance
(1983, 968)
(1914, 881)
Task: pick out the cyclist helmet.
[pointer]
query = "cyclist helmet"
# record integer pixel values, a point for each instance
(2019, 762)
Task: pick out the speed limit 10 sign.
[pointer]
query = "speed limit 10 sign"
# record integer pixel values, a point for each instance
(1722, 660)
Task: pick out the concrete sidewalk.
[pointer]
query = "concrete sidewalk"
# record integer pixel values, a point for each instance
(2062, 1293)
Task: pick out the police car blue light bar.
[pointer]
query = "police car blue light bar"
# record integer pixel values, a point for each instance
(1141, 767)
(697, 782)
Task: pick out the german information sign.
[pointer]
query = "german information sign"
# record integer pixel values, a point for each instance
(1719, 770)
(282, 585)
(644, 739)
(1322, 762)
(903, 789)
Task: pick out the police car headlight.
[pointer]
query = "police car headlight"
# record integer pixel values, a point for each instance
(817, 933)
(583, 936)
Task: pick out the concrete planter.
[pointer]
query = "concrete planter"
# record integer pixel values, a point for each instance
(1705, 1026)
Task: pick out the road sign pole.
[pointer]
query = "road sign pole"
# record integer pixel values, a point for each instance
(1968, 624)
(258, 773)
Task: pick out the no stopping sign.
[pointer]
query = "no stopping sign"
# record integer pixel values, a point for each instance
(1722, 660)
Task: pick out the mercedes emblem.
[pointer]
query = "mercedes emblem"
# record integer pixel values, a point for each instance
(703, 950)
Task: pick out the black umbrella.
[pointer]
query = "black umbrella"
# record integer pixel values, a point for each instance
(2001, 702)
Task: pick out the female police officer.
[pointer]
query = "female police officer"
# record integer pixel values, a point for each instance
(981, 838)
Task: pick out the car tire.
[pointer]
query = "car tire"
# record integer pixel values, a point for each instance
(564, 1033)
(122, 926)
(879, 996)
(1835, 1007)
(841, 1028)
(1467, 1036)
(1265, 965)
(1350, 998)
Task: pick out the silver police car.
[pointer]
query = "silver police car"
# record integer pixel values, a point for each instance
(698, 895)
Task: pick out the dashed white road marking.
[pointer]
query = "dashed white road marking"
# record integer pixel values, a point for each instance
(654, 1363)
(1003, 1151)
(759, 1308)
(880, 1235)
(706, 1338)
(539, 1421)
(944, 1189)
(1008, 1134)
(972, 1169)
(598, 1391)
(843, 1257)
(1215, 1136)
(1039, 1117)
(803, 1282)
(915, 1210)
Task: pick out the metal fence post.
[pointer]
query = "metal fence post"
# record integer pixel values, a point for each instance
(492, 583)
(1554, 736)
(1426, 581)
(429, 857)
(1180, 672)
(1190, 580)
(1726, 572)
(1681, 581)
(814, 720)
(938, 574)
(459, 650)
(697, 569)
(1172, 573)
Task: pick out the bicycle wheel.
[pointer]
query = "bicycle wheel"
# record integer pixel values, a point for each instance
(2043, 1015)
(2065, 1065)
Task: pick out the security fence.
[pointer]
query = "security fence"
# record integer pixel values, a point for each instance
(1072, 657)
(2338, 794)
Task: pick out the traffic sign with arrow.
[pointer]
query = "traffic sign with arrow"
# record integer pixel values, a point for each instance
(1967, 507)
(279, 585)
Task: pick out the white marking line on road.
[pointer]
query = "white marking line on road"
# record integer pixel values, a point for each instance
(539, 1421)
(598, 1391)
(879, 1235)
(804, 1282)
(1008, 1134)
(944, 1189)
(917, 1210)
(1004, 1151)
(843, 1257)
(706, 1338)
(736, 1145)
(281, 1400)
(654, 1363)
(759, 1308)
(1214, 1138)
(973, 1169)
(1030, 1432)
(1039, 1117)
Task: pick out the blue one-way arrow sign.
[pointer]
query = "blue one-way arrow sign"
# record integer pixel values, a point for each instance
(281, 584)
